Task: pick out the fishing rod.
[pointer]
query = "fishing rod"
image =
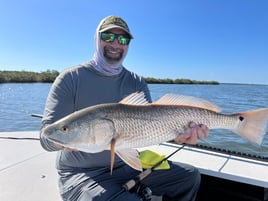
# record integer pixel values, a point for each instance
(37, 115)
(145, 193)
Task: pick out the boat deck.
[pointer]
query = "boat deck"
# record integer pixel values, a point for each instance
(27, 172)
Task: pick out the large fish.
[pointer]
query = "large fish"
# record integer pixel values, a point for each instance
(134, 123)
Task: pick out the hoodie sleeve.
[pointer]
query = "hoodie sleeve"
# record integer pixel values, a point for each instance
(60, 102)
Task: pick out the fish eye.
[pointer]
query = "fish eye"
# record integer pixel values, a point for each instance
(65, 129)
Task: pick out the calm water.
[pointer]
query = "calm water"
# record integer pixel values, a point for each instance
(19, 101)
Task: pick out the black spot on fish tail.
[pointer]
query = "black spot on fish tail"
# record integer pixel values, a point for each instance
(241, 118)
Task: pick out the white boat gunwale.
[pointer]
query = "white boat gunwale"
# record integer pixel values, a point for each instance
(28, 171)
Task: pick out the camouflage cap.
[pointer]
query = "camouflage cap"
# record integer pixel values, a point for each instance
(114, 22)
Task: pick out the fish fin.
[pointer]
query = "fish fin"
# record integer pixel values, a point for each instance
(136, 98)
(253, 125)
(112, 155)
(130, 157)
(183, 100)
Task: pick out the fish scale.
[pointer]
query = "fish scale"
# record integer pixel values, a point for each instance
(156, 124)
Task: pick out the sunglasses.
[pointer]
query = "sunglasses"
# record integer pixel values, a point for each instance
(123, 39)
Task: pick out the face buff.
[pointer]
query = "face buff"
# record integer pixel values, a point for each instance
(101, 63)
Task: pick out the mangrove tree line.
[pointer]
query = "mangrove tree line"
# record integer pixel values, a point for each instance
(50, 75)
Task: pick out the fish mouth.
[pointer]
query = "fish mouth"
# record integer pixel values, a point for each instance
(48, 135)
(54, 140)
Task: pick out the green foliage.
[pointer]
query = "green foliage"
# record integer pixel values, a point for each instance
(151, 80)
(26, 76)
(50, 75)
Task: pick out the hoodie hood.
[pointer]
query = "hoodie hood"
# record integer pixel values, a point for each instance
(99, 62)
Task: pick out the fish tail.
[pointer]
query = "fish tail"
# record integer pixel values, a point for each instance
(252, 125)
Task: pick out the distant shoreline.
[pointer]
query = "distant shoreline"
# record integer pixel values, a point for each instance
(49, 76)
(27, 76)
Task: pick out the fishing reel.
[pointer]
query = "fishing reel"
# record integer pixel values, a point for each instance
(144, 192)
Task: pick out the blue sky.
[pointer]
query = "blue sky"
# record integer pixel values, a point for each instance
(222, 40)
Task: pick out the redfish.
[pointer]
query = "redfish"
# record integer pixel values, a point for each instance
(135, 123)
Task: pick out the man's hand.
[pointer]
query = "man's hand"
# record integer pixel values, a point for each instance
(193, 132)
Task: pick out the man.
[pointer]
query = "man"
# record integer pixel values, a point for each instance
(86, 176)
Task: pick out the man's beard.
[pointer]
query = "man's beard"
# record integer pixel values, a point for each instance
(112, 55)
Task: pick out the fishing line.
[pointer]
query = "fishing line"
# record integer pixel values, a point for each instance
(19, 138)
(133, 182)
